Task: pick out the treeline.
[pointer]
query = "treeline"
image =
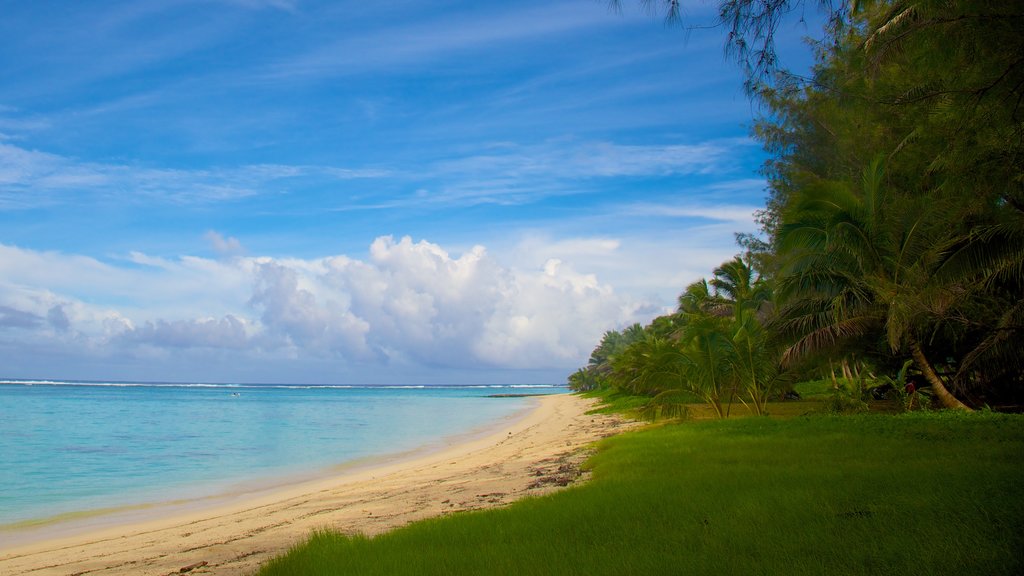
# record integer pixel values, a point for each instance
(893, 235)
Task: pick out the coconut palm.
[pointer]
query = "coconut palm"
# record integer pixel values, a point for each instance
(697, 299)
(709, 363)
(700, 363)
(739, 286)
(860, 267)
(719, 352)
(989, 263)
(654, 366)
(756, 361)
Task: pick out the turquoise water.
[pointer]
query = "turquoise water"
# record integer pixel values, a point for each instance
(70, 447)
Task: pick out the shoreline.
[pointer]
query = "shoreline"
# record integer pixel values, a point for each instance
(31, 531)
(516, 457)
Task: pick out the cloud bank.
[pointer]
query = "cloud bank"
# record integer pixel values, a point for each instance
(406, 304)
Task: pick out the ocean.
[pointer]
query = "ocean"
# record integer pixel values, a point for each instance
(79, 447)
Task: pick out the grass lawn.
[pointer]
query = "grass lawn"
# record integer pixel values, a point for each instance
(921, 493)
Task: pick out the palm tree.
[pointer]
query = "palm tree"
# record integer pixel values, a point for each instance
(695, 358)
(861, 266)
(699, 363)
(709, 366)
(722, 347)
(739, 286)
(654, 367)
(697, 299)
(989, 263)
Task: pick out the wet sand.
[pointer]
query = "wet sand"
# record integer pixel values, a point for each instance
(534, 455)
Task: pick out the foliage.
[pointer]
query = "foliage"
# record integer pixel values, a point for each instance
(594, 376)
(847, 398)
(751, 27)
(894, 227)
(905, 393)
(614, 401)
(715, 348)
(894, 171)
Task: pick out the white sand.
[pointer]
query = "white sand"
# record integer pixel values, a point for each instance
(531, 456)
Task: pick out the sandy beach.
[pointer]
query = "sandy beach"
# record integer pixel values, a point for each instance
(530, 456)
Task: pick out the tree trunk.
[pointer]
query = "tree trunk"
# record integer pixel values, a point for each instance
(938, 388)
(716, 403)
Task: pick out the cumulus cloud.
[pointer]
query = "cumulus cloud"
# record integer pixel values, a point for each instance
(227, 332)
(405, 304)
(292, 310)
(547, 317)
(14, 318)
(57, 318)
(415, 302)
(423, 304)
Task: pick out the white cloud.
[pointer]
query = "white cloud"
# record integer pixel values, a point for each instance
(554, 315)
(227, 332)
(519, 173)
(293, 311)
(31, 178)
(221, 245)
(733, 213)
(18, 125)
(407, 304)
(503, 173)
(381, 49)
(545, 249)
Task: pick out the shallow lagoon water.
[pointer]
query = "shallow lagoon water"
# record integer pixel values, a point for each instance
(69, 447)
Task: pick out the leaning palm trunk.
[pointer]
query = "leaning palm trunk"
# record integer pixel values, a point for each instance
(938, 388)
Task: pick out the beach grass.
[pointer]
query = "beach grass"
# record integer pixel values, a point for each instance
(920, 493)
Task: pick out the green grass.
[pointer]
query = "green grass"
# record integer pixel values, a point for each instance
(815, 389)
(931, 493)
(614, 401)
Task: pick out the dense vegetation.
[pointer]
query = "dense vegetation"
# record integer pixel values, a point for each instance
(817, 495)
(893, 245)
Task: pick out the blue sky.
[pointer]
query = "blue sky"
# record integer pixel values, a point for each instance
(357, 192)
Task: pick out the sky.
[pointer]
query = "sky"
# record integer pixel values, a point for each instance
(303, 191)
